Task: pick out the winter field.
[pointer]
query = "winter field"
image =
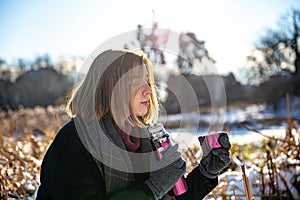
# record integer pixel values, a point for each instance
(264, 141)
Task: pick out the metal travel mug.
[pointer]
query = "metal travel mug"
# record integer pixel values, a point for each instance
(161, 141)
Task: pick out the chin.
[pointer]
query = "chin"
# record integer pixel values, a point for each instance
(141, 114)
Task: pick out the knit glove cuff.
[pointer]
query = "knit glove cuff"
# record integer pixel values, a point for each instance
(162, 180)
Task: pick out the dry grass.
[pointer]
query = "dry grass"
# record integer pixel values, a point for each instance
(270, 157)
(24, 138)
(26, 134)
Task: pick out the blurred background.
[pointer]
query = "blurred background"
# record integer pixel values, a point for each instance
(253, 46)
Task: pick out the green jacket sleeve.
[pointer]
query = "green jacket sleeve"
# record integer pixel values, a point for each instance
(198, 187)
(135, 192)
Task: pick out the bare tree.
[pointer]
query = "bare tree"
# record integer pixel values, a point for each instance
(2, 62)
(153, 43)
(191, 50)
(43, 61)
(22, 64)
(277, 51)
(5, 73)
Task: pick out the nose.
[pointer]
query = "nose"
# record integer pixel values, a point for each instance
(147, 90)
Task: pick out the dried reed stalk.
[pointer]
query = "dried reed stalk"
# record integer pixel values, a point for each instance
(246, 183)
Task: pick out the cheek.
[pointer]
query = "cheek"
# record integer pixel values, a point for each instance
(133, 100)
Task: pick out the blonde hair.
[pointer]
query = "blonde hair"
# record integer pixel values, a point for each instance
(107, 88)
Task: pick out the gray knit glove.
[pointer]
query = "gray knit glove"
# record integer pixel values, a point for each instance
(216, 159)
(162, 180)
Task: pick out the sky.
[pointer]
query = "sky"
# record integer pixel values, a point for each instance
(76, 27)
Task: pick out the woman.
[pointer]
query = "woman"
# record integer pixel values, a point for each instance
(104, 151)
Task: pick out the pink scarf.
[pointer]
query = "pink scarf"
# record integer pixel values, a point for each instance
(130, 139)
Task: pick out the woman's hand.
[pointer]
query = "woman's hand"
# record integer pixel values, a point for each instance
(162, 180)
(216, 159)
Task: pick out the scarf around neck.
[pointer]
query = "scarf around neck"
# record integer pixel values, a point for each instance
(116, 180)
(131, 137)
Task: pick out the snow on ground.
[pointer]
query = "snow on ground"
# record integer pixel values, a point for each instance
(253, 116)
(234, 184)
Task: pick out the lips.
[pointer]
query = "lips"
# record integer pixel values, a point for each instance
(145, 103)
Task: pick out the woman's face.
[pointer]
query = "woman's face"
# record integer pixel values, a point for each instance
(140, 99)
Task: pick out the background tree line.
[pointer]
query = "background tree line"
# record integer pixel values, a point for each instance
(274, 63)
(63, 65)
(275, 53)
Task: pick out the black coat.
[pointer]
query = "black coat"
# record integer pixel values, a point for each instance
(69, 172)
